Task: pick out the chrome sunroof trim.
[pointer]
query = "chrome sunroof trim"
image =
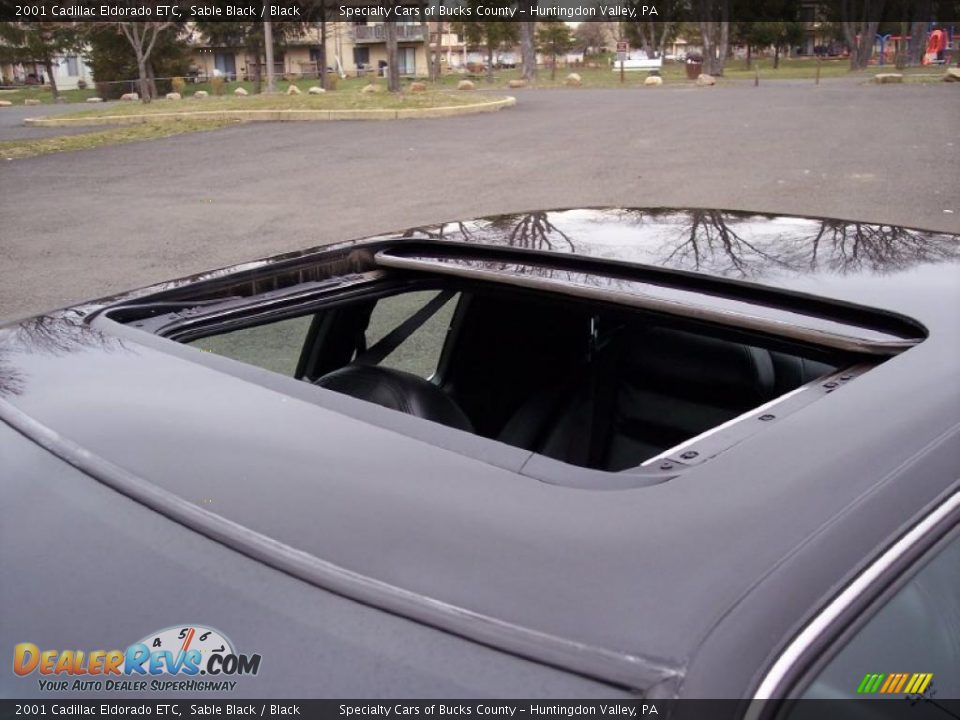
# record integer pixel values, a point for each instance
(676, 308)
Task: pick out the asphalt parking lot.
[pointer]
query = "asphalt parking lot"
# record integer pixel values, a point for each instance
(84, 224)
(12, 127)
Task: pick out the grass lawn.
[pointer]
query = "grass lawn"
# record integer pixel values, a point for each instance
(345, 99)
(674, 73)
(44, 95)
(17, 149)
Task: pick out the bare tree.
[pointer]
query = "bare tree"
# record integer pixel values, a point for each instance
(322, 63)
(715, 33)
(142, 37)
(653, 36)
(859, 21)
(528, 51)
(434, 64)
(268, 50)
(393, 72)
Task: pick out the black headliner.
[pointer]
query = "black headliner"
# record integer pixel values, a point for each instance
(659, 573)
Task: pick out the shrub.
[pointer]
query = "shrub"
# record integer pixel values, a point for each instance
(178, 84)
(216, 85)
(81, 84)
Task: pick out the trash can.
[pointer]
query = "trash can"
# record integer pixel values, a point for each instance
(694, 68)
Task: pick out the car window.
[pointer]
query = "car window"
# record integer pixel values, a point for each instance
(419, 353)
(275, 346)
(911, 646)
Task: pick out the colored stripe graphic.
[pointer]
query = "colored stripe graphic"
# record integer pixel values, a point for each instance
(870, 683)
(894, 683)
(891, 682)
(918, 683)
(903, 680)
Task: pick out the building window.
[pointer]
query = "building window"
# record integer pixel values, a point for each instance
(73, 65)
(225, 65)
(361, 56)
(406, 60)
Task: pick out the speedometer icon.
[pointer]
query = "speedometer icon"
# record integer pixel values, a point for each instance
(181, 639)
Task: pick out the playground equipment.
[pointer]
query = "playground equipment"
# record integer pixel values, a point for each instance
(936, 44)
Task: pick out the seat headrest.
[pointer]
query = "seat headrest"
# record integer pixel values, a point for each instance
(701, 367)
(397, 390)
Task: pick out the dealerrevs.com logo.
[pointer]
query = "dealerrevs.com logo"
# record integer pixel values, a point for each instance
(179, 658)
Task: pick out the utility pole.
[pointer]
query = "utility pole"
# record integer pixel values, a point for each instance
(268, 49)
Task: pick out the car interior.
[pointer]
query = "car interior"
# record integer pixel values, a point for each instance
(593, 385)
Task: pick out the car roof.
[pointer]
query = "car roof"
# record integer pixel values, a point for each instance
(630, 585)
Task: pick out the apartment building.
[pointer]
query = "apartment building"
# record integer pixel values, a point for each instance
(353, 48)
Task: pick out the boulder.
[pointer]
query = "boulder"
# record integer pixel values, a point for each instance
(31, 101)
(5, 103)
(573, 80)
(293, 90)
(886, 78)
(94, 99)
(130, 97)
(653, 81)
(418, 87)
(315, 90)
(517, 84)
(704, 80)
(173, 96)
(240, 92)
(466, 85)
(952, 74)
(371, 89)
(201, 94)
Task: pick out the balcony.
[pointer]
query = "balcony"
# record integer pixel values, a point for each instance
(375, 33)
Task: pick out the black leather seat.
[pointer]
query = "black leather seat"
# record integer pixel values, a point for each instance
(792, 371)
(653, 389)
(397, 390)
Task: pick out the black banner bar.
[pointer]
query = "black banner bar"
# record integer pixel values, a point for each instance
(914, 708)
(407, 11)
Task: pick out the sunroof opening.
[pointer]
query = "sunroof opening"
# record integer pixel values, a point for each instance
(571, 368)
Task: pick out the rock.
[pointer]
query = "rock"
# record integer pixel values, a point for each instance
(130, 97)
(240, 92)
(886, 78)
(293, 90)
(370, 89)
(466, 85)
(94, 99)
(315, 90)
(5, 103)
(952, 74)
(31, 101)
(515, 83)
(201, 94)
(418, 87)
(653, 80)
(704, 80)
(173, 96)
(573, 80)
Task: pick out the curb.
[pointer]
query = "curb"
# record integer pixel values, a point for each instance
(279, 115)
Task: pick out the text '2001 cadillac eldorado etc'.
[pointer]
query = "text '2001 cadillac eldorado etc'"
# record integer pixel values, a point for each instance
(582, 453)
